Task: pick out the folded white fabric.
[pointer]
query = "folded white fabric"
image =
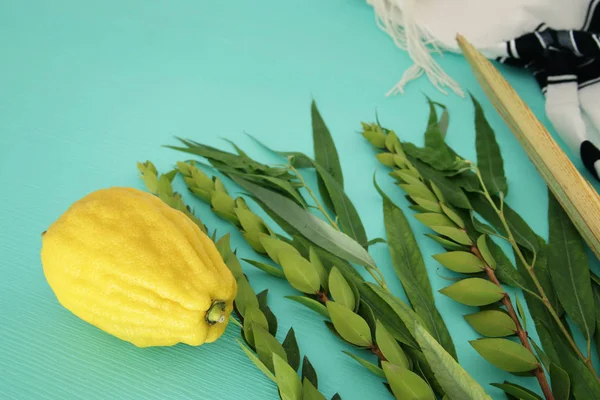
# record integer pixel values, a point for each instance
(556, 40)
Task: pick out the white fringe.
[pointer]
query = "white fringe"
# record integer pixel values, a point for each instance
(397, 19)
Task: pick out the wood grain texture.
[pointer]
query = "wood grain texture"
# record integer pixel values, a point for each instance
(575, 194)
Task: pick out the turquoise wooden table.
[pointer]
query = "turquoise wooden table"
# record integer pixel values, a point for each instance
(87, 89)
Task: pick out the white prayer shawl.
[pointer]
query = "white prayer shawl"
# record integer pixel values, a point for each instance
(423, 27)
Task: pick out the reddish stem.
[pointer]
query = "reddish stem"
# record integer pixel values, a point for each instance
(521, 333)
(377, 351)
(322, 296)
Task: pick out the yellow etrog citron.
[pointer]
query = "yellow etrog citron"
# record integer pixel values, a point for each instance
(125, 262)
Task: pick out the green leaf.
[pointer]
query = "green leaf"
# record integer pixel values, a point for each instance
(310, 303)
(253, 317)
(266, 346)
(395, 315)
(269, 269)
(309, 392)
(596, 290)
(505, 354)
(290, 387)
(433, 219)
(569, 269)
(365, 311)
(340, 289)
(505, 270)
(447, 244)
(484, 250)
(454, 380)
(345, 211)
(481, 227)
(316, 261)
(521, 312)
(407, 261)
(352, 327)
(259, 364)
(309, 373)
(418, 191)
(370, 366)
(429, 206)
(274, 247)
(450, 213)
(455, 234)
(492, 323)
(245, 296)
(561, 383)
(489, 158)
(474, 292)
(519, 392)
(290, 345)
(309, 226)
(451, 191)
(390, 349)
(336, 397)
(405, 384)
(325, 153)
(299, 272)
(460, 261)
(444, 122)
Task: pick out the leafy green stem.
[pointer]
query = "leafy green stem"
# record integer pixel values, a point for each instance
(314, 197)
(530, 270)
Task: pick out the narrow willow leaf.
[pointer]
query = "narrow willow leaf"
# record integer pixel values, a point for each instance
(375, 241)
(451, 192)
(561, 383)
(266, 346)
(245, 296)
(492, 323)
(447, 244)
(455, 234)
(340, 289)
(444, 122)
(481, 227)
(253, 317)
(474, 292)
(569, 269)
(352, 327)
(309, 373)
(521, 312)
(309, 392)
(290, 345)
(489, 158)
(596, 290)
(505, 354)
(269, 269)
(310, 303)
(390, 349)
(365, 311)
(336, 397)
(397, 317)
(309, 226)
(315, 260)
(259, 364)
(296, 159)
(517, 391)
(345, 211)
(484, 250)
(407, 261)
(460, 261)
(325, 153)
(406, 384)
(454, 380)
(300, 273)
(290, 387)
(450, 213)
(543, 357)
(370, 366)
(433, 219)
